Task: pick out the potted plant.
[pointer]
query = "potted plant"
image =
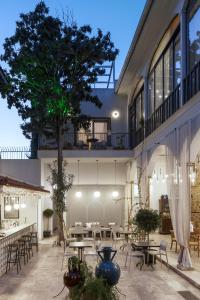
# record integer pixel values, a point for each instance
(87, 286)
(147, 220)
(48, 213)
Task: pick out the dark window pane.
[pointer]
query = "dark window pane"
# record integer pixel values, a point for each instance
(194, 33)
(168, 71)
(158, 84)
(138, 111)
(151, 94)
(177, 61)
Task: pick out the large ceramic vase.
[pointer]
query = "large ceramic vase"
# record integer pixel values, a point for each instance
(107, 269)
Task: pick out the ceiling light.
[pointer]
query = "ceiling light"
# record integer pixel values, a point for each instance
(115, 114)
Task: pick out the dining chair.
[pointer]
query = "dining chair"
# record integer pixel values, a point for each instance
(161, 252)
(195, 243)
(67, 252)
(115, 233)
(93, 252)
(131, 253)
(173, 240)
(96, 230)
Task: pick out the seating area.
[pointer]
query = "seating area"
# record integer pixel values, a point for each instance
(22, 248)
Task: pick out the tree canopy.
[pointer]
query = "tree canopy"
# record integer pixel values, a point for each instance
(52, 66)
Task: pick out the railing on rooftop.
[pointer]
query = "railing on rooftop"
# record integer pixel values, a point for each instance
(15, 152)
(95, 141)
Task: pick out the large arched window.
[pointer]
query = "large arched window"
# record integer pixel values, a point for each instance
(193, 33)
(165, 70)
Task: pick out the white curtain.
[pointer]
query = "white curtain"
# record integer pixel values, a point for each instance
(177, 157)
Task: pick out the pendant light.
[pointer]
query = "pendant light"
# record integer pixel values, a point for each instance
(78, 193)
(16, 203)
(97, 193)
(115, 193)
(8, 206)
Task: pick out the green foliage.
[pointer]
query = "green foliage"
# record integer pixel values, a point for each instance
(51, 66)
(48, 213)
(147, 220)
(90, 287)
(59, 191)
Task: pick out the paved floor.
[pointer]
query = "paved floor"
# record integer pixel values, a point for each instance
(41, 279)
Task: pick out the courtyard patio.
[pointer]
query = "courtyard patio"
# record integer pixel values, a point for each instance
(42, 278)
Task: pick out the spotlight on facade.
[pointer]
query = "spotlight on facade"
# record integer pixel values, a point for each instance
(115, 194)
(78, 194)
(115, 114)
(97, 194)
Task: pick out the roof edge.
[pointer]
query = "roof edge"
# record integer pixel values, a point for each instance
(135, 39)
(8, 181)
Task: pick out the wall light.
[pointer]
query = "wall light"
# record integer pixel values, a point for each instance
(97, 194)
(78, 194)
(115, 194)
(115, 114)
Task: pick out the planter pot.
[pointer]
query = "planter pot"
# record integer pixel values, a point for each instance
(71, 279)
(46, 233)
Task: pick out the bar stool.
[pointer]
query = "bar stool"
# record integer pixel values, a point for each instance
(13, 257)
(34, 239)
(23, 251)
(27, 239)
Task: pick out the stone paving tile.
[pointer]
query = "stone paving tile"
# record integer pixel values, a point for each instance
(41, 279)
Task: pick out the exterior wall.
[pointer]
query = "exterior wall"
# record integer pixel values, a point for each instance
(90, 209)
(110, 102)
(88, 173)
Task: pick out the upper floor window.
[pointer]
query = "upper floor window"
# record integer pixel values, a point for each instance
(165, 74)
(194, 33)
(137, 111)
(99, 129)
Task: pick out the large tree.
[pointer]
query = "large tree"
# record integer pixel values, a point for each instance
(51, 67)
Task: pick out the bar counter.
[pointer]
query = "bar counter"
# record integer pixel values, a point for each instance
(10, 236)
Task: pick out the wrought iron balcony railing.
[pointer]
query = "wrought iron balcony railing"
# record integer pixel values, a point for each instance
(92, 141)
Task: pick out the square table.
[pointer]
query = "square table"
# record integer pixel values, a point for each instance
(80, 246)
(145, 246)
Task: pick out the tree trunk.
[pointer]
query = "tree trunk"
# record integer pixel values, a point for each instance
(60, 196)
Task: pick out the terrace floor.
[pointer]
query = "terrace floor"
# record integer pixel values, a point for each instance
(42, 279)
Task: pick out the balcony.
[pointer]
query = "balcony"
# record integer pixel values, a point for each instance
(170, 105)
(95, 141)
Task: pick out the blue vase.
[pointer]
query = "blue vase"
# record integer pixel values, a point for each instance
(107, 269)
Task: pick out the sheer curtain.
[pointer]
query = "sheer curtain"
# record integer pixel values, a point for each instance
(177, 156)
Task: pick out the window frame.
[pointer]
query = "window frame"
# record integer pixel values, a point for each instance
(161, 58)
